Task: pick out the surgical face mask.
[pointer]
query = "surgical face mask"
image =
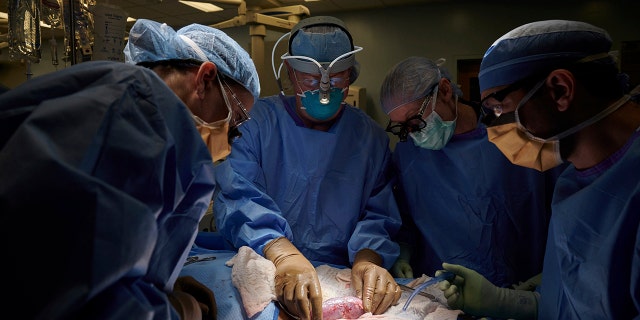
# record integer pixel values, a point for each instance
(316, 109)
(524, 149)
(437, 132)
(216, 134)
(215, 137)
(518, 146)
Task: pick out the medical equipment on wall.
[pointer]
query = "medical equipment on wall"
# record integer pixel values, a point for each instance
(78, 29)
(52, 15)
(26, 19)
(357, 97)
(24, 31)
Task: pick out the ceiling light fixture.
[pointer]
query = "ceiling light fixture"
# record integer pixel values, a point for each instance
(202, 6)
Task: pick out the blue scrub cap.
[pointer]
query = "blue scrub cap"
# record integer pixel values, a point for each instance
(151, 41)
(321, 46)
(411, 79)
(323, 38)
(537, 46)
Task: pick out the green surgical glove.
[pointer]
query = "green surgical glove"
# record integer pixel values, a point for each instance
(402, 268)
(475, 295)
(530, 284)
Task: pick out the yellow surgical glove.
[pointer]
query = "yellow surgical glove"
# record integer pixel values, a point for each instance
(297, 284)
(373, 283)
(475, 295)
(402, 268)
(193, 300)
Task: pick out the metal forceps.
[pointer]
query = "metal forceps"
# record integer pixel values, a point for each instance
(194, 259)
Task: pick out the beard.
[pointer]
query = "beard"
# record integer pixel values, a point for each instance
(233, 134)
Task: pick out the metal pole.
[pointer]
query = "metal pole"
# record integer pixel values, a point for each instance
(70, 12)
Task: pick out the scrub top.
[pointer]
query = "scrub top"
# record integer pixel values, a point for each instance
(467, 204)
(330, 192)
(592, 263)
(103, 179)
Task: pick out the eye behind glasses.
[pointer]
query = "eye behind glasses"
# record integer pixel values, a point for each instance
(241, 117)
(315, 83)
(489, 102)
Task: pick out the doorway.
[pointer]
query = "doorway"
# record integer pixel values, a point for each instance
(468, 78)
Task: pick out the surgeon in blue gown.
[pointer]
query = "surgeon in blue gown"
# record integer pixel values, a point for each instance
(562, 98)
(465, 203)
(311, 182)
(104, 177)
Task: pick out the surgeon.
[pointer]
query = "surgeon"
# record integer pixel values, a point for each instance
(200, 64)
(105, 177)
(465, 203)
(562, 99)
(310, 179)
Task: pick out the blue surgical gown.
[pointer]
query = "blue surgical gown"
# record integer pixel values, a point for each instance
(468, 205)
(330, 192)
(592, 261)
(103, 179)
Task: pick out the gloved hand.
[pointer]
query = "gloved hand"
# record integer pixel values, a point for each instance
(475, 295)
(530, 284)
(373, 283)
(401, 268)
(193, 300)
(297, 284)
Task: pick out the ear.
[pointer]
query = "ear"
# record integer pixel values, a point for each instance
(444, 86)
(562, 85)
(206, 74)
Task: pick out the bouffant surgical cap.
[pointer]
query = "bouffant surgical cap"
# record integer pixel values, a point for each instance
(151, 41)
(324, 39)
(411, 79)
(538, 46)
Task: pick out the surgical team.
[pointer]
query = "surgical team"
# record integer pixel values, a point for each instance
(531, 196)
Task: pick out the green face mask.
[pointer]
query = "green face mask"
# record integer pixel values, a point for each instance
(314, 108)
(437, 132)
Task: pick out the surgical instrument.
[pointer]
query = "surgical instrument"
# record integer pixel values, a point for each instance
(446, 275)
(195, 259)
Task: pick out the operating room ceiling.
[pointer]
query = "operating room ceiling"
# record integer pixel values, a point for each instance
(178, 15)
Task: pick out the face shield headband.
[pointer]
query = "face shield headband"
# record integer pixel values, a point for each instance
(311, 66)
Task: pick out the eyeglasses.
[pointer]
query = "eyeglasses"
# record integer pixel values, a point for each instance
(313, 83)
(499, 95)
(244, 114)
(413, 124)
